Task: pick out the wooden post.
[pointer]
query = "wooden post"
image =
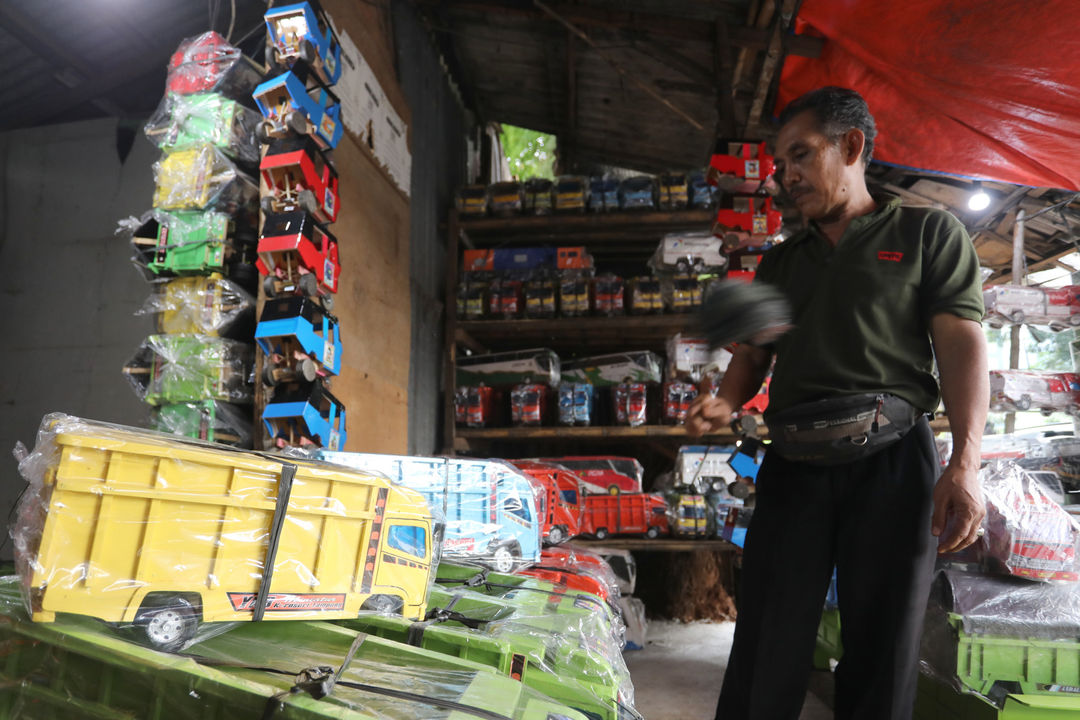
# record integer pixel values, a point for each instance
(1019, 278)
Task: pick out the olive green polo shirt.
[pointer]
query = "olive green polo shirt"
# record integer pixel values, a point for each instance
(862, 309)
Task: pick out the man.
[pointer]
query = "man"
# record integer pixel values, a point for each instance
(878, 291)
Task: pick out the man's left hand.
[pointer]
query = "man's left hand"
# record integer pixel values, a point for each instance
(959, 508)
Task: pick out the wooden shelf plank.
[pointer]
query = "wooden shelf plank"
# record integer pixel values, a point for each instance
(612, 227)
(659, 544)
(626, 332)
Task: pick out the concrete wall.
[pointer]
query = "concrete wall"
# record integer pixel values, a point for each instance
(439, 155)
(67, 288)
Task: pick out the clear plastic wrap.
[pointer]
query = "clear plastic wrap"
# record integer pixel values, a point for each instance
(570, 193)
(704, 467)
(202, 178)
(688, 515)
(1028, 534)
(633, 612)
(540, 298)
(506, 198)
(575, 296)
(529, 404)
(164, 534)
(305, 416)
(207, 63)
(472, 201)
(473, 299)
(638, 193)
(170, 369)
(685, 252)
(631, 400)
(702, 195)
(688, 356)
(1057, 308)
(506, 299)
(491, 508)
(1033, 390)
(608, 370)
(299, 340)
(538, 193)
(626, 513)
(645, 296)
(208, 420)
(585, 562)
(185, 242)
(682, 293)
(561, 502)
(609, 295)
(199, 305)
(75, 668)
(620, 561)
(576, 403)
(555, 641)
(510, 368)
(603, 194)
(478, 406)
(677, 396)
(673, 191)
(604, 473)
(184, 121)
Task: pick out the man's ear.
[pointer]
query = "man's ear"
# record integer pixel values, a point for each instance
(852, 145)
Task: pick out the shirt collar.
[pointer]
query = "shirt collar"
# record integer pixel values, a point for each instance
(887, 203)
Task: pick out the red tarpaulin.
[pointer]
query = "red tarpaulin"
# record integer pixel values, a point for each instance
(978, 88)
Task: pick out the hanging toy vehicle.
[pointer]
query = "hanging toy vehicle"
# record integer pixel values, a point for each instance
(298, 255)
(300, 341)
(297, 32)
(289, 106)
(299, 177)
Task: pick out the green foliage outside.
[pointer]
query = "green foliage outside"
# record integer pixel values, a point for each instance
(529, 153)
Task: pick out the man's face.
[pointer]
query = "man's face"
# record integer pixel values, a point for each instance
(811, 168)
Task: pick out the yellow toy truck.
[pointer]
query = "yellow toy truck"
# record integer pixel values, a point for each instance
(137, 527)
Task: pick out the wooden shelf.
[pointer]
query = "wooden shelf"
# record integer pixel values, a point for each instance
(659, 544)
(587, 228)
(620, 432)
(625, 332)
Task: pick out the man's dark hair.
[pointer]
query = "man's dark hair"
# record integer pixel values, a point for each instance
(837, 110)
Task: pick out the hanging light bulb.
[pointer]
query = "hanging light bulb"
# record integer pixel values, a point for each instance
(979, 200)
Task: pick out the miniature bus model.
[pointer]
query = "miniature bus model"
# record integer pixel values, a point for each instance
(300, 341)
(165, 533)
(491, 509)
(299, 177)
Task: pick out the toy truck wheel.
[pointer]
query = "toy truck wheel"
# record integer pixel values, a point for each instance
(266, 203)
(262, 132)
(269, 379)
(601, 534)
(1024, 403)
(269, 286)
(556, 535)
(308, 285)
(652, 533)
(612, 489)
(385, 604)
(297, 122)
(271, 55)
(309, 370)
(168, 622)
(503, 559)
(1017, 316)
(327, 302)
(307, 52)
(307, 202)
(1074, 320)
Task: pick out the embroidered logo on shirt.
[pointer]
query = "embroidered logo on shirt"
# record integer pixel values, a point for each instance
(890, 255)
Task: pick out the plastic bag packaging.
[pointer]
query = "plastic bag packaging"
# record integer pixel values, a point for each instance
(633, 612)
(609, 295)
(529, 404)
(608, 370)
(200, 305)
(1056, 308)
(306, 416)
(186, 242)
(477, 406)
(704, 468)
(208, 420)
(576, 403)
(1022, 390)
(510, 368)
(202, 178)
(603, 194)
(492, 509)
(645, 296)
(472, 299)
(688, 252)
(583, 562)
(571, 193)
(673, 191)
(538, 193)
(60, 669)
(540, 298)
(1028, 534)
(184, 121)
(682, 293)
(506, 299)
(631, 404)
(622, 564)
(472, 201)
(132, 526)
(677, 398)
(638, 193)
(575, 296)
(702, 195)
(170, 369)
(506, 198)
(208, 63)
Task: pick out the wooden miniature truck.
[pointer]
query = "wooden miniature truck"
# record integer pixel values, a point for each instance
(138, 527)
(299, 177)
(305, 415)
(297, 32)
(288, 105)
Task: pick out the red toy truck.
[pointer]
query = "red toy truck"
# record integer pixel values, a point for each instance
(751, 220)
(528, 404)
(563, 502)
(739, 166)
(296, 254)
(604, 473)
(299, 177)
(625, 514)
(1047, 392)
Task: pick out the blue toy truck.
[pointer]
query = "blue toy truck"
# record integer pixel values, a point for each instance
(287, 105)
(300, 341)
(303, 415)
(296, 32)
(490, 508)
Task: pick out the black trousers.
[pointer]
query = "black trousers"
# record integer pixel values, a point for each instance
(871, 519)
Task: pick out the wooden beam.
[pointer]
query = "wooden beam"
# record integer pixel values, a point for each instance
(725, 96)
(674, 60)
(567, 152)
(670, 26)
(774, 55)
(1046, 262)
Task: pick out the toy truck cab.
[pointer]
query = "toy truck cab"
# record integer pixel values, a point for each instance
(751, 220)
(305, 416)
(738, 166)
(300, 341)
(296, 32)
(571, 193)
(561, 502)
(213, 534)
(207, 63)
(299, 177)
(604, 473)
(491, 509)
(690, 516)
(288, 105)
(297, 254)
(528, 404)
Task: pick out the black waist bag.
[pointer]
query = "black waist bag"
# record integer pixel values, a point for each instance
(840, 430)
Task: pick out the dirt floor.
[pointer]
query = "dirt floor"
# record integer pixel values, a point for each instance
(677, 675)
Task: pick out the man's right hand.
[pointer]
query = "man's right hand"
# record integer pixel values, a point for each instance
(706, 414)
